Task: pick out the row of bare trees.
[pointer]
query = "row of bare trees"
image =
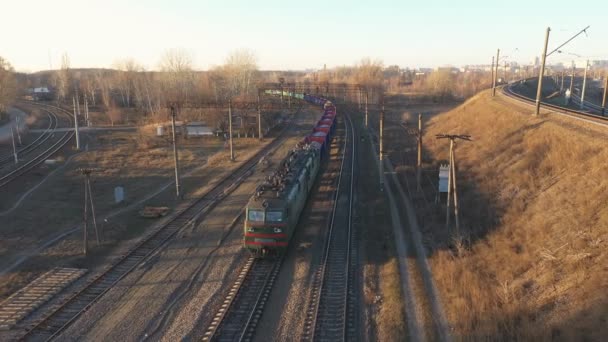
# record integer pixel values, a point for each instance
(7, 87)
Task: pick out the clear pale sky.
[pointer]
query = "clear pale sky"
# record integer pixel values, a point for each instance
(296, 34)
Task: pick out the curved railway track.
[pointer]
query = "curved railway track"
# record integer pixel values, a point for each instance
(585, 116)
(331, 313)
(55, 322)
(8, 158)
(38, 144)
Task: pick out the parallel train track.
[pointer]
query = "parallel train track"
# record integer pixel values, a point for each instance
(36, 145)
(331, 313)
(55, 322)
(585, 116)
(242, 308)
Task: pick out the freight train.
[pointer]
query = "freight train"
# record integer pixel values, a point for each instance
(273, 211)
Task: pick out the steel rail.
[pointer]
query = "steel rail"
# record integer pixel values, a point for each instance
(55, 322)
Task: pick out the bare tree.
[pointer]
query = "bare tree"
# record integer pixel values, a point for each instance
(7, 85)
(62, 79)
(178, 80)
(237, 76)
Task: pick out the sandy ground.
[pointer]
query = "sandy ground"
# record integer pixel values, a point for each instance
(171, 295)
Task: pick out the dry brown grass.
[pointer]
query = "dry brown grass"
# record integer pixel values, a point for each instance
(533, 192)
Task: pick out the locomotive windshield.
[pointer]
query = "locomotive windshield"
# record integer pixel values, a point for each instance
(274, 216)
(255, 215)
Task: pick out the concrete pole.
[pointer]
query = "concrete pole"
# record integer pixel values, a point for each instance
(17, 129)
(86, 111)
(449, 199)
(366, 101)
(259, 118)
(289, 100)
(359, 96)
(453, 170)
(605, 91)
(85, 242)
(381, 149)
(175, 152)
(505, 80)
(541, 73)
(492, 70)
(495, 73)
(14, 147)
(561, 87)
(419, 160)
(572, 79)
(76, 125)
(230, 126)
(584, 85)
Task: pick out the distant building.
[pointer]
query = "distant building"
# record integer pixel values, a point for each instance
(40, 93)
(198, 129)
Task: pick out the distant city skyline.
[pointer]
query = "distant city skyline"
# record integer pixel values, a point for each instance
(296, 36)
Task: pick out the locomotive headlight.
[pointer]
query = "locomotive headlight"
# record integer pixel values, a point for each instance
(278, 230)
(251, 230)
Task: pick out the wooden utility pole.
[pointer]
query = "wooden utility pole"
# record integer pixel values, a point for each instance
(605, 91)
(76, 125)
(452, 190)
(419, 160)
(584, 85)
(541, 73)
(230, 125)
(455, 190)
(449, 199)
(259, 118)
(88, 200)
(175, 152)
(496, 73)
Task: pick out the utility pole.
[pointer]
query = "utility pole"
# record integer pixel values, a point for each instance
(17, 129)
(76, 125)
(452, 190)
(88, 200)
(359, 95)
(289, 99)
(561, 87)
(230, 126)
(259, 118)
(541, 73)
(505, 80)
(492, 70)
(86, 111)
(584, 85)
(14, 147)
(605, 91)
(381, 149)
(419, 160)
(175, 151)
(366, 101)
(495, 73)
(572, 79)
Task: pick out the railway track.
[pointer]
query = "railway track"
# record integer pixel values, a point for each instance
(585, 116)
(8, 158)
(331, 313)
(36, 145)
(55, 322)
(239, 314)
